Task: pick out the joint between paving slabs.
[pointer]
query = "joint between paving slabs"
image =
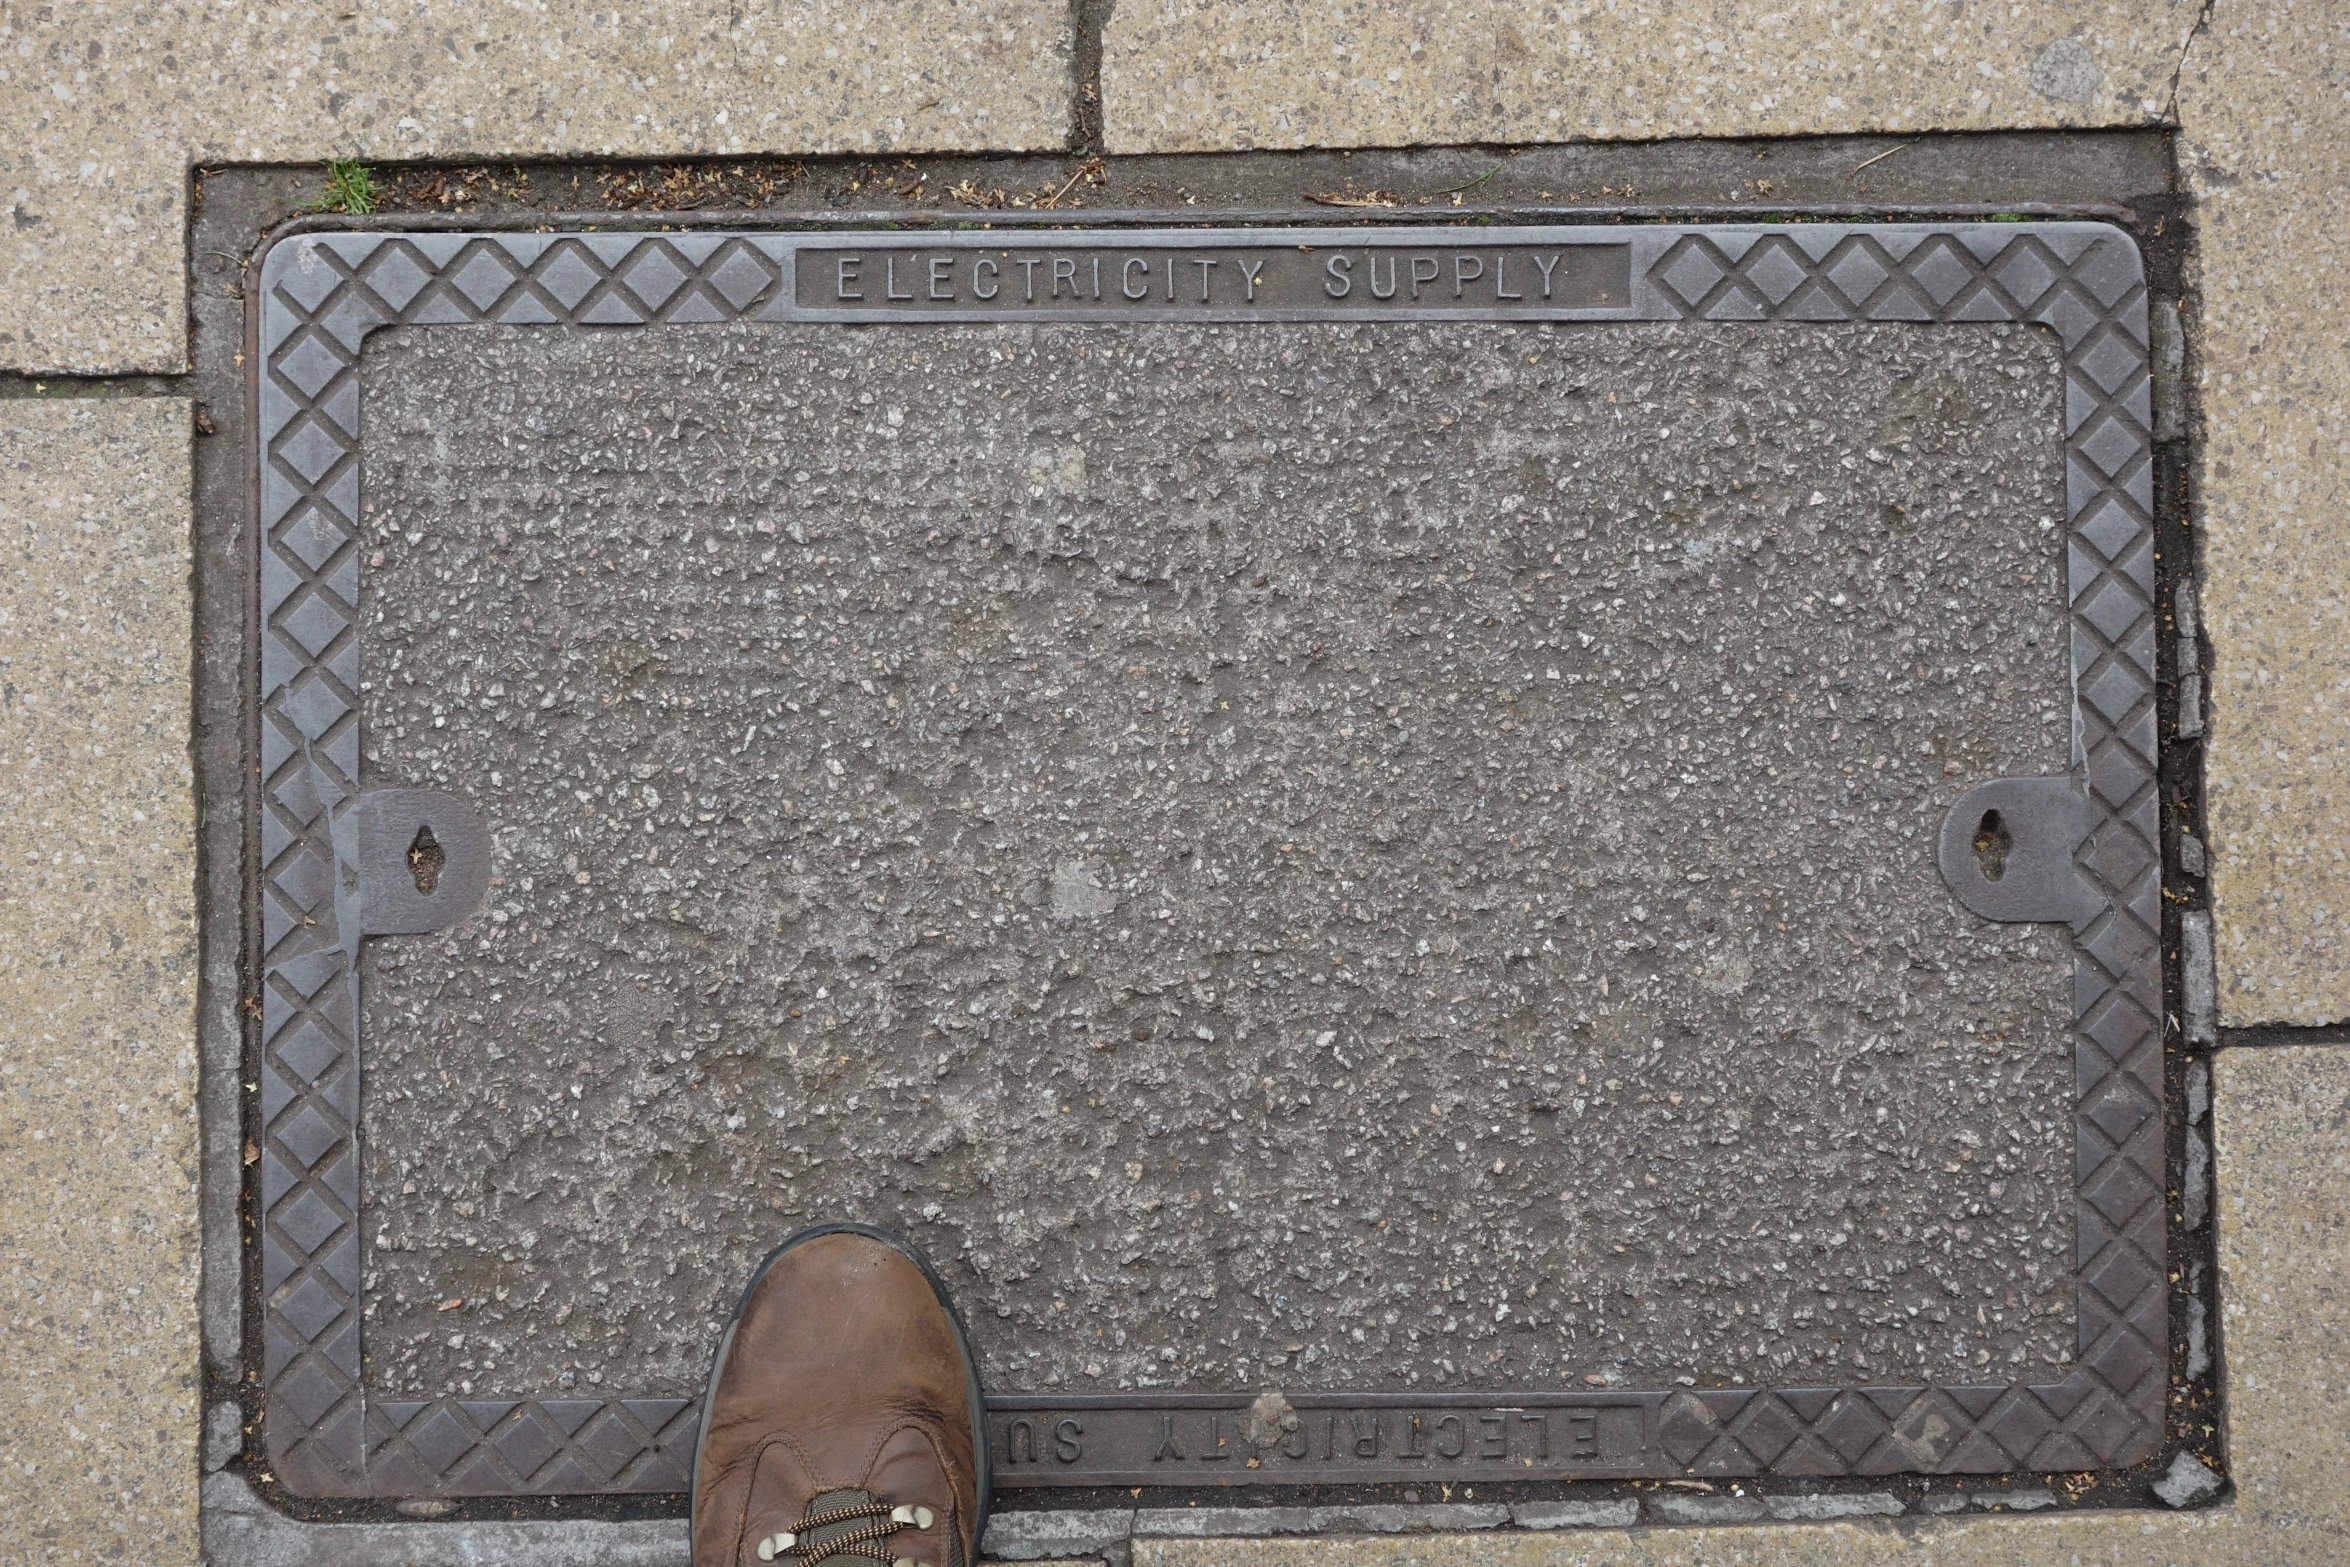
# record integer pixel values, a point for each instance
(2075, 174)
(18, 387)
(67, 388)
(1089, 20)
(2193, 1407)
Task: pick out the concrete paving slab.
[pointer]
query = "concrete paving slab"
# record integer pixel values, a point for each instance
(2265, 148)
(1022, 1536)
(1842, 1504)
(104, 109)
(241, 1530)
(99, 1412)
(1615, 1512)
(1189, 75)
(1374, 1518)
(1674, 1507)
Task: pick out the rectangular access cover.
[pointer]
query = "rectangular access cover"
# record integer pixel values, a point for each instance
(1379, 840)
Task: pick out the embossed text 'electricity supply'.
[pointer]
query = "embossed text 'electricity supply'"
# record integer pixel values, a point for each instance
(1321, 1438)
(1355, 279)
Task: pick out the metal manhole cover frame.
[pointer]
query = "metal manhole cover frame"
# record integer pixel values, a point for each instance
(329, 1436)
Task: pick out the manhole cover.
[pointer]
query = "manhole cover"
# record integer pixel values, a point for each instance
(1528, 858)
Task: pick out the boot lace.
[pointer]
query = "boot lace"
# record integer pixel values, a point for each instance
(871, 1522)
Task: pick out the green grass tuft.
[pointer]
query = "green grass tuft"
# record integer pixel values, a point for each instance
(349, 188)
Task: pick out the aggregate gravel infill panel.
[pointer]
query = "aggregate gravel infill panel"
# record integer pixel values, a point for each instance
(1360, 869)
(1351, 857)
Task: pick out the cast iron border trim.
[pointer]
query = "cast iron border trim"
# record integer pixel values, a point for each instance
(322, 294)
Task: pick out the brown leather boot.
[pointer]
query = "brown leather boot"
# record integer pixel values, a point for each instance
(843, 1419)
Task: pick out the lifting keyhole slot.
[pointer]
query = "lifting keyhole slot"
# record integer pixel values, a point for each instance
(1992, 844)
(425, 860)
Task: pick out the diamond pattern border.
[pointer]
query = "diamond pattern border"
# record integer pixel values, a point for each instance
(322, 294)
